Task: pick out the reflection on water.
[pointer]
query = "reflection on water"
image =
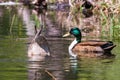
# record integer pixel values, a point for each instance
(13, 49)
(35, 71)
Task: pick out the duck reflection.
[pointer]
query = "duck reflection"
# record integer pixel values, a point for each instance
(35, 70)
(46, 70)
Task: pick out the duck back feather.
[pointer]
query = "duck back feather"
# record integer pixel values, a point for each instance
(93, 48)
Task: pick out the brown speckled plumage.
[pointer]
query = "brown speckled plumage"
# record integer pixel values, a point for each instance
(92, 48)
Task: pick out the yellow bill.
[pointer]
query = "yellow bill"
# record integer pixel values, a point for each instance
(67, 34)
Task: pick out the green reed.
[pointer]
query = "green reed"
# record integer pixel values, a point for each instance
(109, 19)
(12, 22)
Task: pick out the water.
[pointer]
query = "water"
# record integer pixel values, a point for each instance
(15, 38)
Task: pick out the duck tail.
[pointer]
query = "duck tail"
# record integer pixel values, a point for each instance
(108, 46)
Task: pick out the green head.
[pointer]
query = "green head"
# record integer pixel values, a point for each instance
(77, 33)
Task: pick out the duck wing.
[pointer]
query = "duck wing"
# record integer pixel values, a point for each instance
(42, 42)
(92, 43)
(105, 45)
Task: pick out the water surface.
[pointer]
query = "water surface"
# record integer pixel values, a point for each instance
(15, 38)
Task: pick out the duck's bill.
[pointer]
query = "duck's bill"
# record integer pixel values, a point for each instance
(67, 34)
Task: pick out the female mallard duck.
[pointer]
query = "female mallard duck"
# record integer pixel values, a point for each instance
(39, 47)
(87, 8)
(90, 48)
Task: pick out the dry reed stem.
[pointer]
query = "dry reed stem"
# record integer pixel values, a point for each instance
(50, 74)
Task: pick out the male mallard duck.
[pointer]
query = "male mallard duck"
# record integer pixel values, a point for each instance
(90, 48)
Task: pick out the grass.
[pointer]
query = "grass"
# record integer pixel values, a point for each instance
(109, 13)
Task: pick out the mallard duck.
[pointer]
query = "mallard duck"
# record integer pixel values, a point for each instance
(91, 48)
(87, 5)
(87, 8)
(39, 47)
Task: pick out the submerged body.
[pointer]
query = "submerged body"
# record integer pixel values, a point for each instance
(38, 49)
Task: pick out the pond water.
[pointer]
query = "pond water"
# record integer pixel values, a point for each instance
(16, 32)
